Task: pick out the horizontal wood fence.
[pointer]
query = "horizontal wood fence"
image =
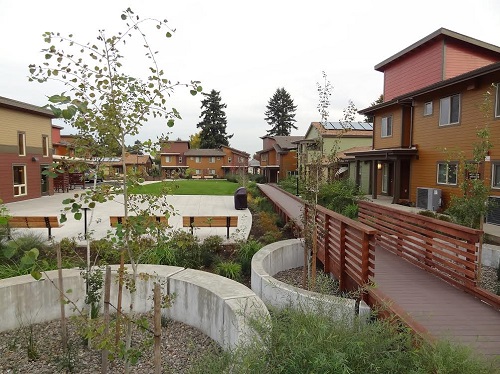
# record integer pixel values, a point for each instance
(442, 248)
(345, 247)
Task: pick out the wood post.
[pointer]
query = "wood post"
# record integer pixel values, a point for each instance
(157, 328)
(342, 275)
(107, 293)
(64, 331)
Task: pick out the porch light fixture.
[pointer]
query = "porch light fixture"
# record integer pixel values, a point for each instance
(379, 166)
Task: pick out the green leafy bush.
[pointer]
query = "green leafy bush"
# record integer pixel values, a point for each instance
(245, 252)
(229, 269)
(341, 196)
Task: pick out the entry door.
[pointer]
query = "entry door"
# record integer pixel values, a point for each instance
(385, 178)
(44, 180)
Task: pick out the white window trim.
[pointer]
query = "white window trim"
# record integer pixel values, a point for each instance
(447, 172)
(429, 105)
(22, 152)
(497, 101)
(45, 144)
(449, 110)
(22, 185)
(211, 160)
(198, 160)
(385, 134)
(493, 165)
(168, 159)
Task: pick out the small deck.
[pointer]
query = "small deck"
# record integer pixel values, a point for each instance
(433, 307)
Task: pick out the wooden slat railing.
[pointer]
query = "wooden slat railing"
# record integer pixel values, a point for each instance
(345, 247)
(442, 248)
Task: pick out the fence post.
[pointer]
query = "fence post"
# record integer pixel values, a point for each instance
(342, 275)
(157, 328)
(326, 242)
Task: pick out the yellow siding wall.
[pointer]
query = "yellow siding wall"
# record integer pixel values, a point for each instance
(34, 126)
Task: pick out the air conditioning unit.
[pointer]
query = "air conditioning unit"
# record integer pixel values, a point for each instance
(428, 198)
(493, 215)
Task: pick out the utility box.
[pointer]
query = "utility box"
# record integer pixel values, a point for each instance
(240, 199)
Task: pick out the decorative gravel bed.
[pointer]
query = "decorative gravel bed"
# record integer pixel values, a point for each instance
(182, 345)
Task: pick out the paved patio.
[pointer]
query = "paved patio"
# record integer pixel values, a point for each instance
(98, 217)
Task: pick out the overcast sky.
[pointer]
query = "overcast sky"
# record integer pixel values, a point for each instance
(246, 50)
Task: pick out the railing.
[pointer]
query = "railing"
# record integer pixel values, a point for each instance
(345, 247)
(442, 248)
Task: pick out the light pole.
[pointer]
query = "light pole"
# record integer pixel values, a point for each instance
(297, 186)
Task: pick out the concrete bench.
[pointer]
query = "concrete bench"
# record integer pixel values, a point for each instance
(33, 222)
(196, 177)
(208, 177)
(210, 221)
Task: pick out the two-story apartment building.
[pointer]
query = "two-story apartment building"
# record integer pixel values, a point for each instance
(278, 157)
(177, 157)
(434, 104)
(25, 150)
(325, 144)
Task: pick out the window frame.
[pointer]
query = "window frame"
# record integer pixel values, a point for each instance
(384, 126)
(428, 108)
(447, 176)
(21, 136)
(494, 175)
(197, 160)
(168, 159)
(450, 110)
(497, 101)
(211, 160)
(19, 186)
(45, 145)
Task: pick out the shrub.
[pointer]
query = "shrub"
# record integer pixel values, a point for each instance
(264, 227)
(229, 269)
(245, 252)
(106, 250)
(289, 184)
(340, 196)
(187, 249)
(68, 246)
(21, 244)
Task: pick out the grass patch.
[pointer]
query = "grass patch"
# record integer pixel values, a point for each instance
(189, 187)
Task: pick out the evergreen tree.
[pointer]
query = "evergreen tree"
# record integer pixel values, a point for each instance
(214, 121)
(280, 113)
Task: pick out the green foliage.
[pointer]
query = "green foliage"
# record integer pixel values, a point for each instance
(341, 196)
(299, 342)
(229, 269)
(245, 252)
(213, 124)
(68, 246)
(264, 227)
(94, 281)
(473, 204)
(280, 113)
(289, 184)
(106, 250)
(188, 187)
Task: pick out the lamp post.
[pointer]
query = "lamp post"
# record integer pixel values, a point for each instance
(297, 184)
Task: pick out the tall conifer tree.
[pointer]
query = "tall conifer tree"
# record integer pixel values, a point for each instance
(214, 121)
(280, 113)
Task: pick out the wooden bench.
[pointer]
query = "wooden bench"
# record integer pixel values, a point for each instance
(33, 222)
(196, 177)
(120, 220)
(208, 177)
(210, 221)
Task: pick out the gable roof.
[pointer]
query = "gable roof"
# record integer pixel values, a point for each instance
(25, 107)
(137, 159)
(440, 32)
(175, 147)
(346, 129)
(492, 68)
(204, 152)
(234, 150)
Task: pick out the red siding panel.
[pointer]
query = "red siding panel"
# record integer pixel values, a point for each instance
(460, 58)
(418, 69)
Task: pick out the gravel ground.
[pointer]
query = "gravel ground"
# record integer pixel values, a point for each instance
(181, 346)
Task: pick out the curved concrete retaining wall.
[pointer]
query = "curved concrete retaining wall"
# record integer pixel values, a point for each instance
(289, 254)
(218, 306)
(490, 255)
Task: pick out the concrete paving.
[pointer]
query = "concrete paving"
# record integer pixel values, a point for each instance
(98, 218)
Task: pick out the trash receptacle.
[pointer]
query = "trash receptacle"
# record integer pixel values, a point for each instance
(240, 198)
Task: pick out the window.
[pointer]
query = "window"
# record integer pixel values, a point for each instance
(386, 127)
(241, 159)
(45, 146)
(211, 160)
(180, 159)
(495, 176)
(168, 159)
(449, 110)
(21, 141)
(198, 171)
(447, 173)
(263, 157)
(428, 108)
(19, 174)
(497, 101)
(211, 171)
(229, 160)
(198, 160)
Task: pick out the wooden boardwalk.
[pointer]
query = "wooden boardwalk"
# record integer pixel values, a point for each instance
(432, 307)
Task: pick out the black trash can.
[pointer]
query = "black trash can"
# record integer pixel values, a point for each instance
(240, 198)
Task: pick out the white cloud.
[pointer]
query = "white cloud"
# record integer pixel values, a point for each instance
(247, 50)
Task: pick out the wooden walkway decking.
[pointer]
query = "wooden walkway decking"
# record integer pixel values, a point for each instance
(434, 307)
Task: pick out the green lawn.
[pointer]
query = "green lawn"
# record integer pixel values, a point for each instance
(190, 187)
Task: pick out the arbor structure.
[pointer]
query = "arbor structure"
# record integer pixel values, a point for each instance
(213, 124)
(280, 113)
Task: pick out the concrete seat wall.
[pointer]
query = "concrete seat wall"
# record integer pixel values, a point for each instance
(219, 307)
(289, 254)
